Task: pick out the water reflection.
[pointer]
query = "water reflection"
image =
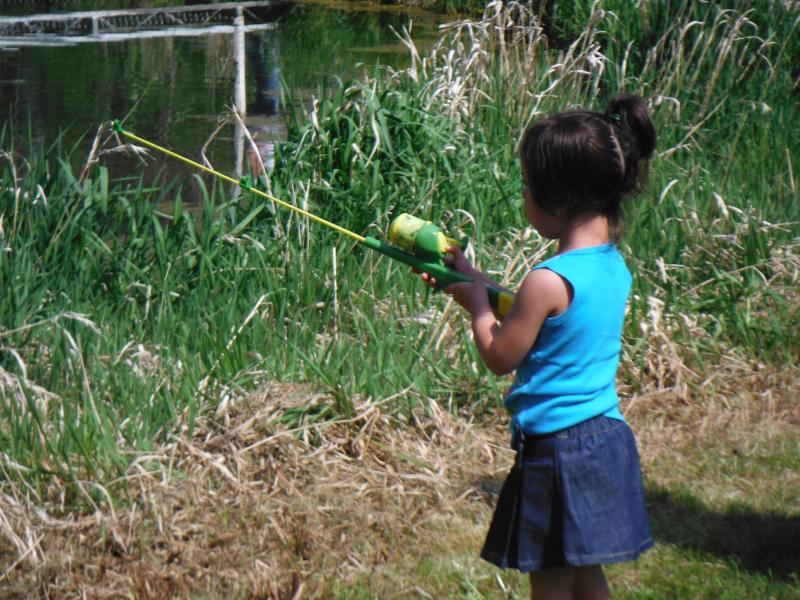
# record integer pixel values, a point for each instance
(263, 116)
(173, 90)
(264, 53)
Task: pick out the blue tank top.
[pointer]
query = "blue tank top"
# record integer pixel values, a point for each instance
(569, 375)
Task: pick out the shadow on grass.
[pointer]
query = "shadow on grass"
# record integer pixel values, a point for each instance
(763, 542)
(760, 542)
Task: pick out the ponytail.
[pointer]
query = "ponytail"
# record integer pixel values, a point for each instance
(636, 136)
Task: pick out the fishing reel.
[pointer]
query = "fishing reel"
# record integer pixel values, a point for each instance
(421, 238)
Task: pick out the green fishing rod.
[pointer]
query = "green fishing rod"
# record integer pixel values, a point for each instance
(419, 244)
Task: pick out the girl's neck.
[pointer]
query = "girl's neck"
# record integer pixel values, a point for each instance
(584, 231)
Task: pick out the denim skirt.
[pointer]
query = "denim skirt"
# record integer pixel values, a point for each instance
(574, 498)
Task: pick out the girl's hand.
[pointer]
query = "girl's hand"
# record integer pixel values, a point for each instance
(456, 260)
(471, 295)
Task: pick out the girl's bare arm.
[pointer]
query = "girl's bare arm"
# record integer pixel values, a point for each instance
(502, 347)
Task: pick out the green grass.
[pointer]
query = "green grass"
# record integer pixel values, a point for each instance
(667, 572)
(174, 287)
(127, 313)
(724, 519)
(687, 561)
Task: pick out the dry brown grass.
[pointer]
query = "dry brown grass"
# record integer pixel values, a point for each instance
(720, 456)
(248, 508)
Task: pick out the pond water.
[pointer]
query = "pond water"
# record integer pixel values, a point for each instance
(173, 89)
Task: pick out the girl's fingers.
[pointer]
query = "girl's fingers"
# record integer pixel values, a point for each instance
(453, 254)
(429, 280)
(425, 277)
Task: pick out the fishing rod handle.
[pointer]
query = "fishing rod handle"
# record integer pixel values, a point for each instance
(499, 300)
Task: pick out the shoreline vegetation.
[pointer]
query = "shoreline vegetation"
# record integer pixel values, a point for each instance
(175, 380)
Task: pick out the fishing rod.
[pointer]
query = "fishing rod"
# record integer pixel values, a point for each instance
(419, 244)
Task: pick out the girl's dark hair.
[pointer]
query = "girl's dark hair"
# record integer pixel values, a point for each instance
(582, 161)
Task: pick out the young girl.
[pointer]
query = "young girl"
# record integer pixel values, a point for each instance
(573, 501)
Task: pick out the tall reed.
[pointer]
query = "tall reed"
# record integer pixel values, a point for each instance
(123, 319)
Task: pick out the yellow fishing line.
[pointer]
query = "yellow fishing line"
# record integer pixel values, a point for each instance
(197, 165)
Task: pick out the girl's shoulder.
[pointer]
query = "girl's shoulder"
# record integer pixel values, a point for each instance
(605, 253)
(592, 265)
(608, 250)
(546, 290)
